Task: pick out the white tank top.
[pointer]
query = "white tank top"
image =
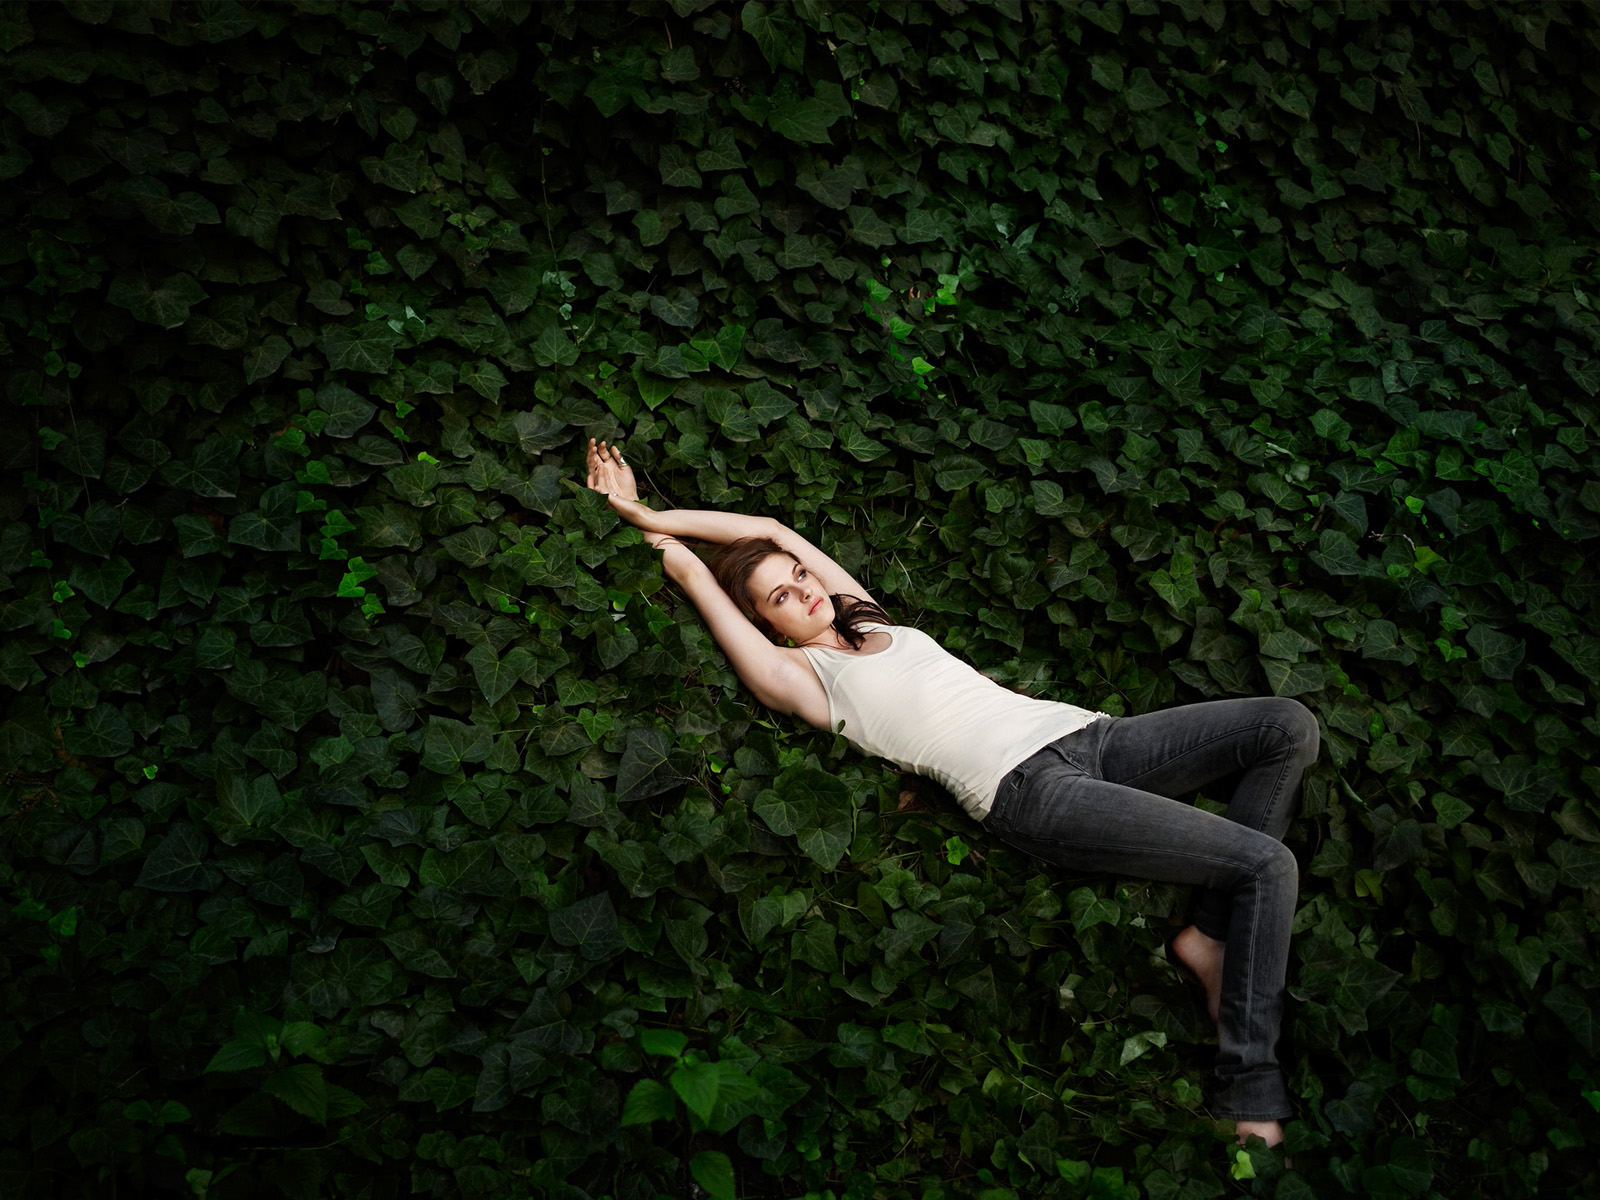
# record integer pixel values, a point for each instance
(923, 709)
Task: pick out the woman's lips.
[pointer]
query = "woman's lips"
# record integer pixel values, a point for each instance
(815, 606)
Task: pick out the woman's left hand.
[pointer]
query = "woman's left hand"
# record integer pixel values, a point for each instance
(610, 475)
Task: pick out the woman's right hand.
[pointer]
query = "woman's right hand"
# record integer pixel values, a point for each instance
(611, 476)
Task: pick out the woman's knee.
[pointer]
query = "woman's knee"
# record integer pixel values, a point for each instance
(1265, 865)
(1279, 868)
(1296, 727)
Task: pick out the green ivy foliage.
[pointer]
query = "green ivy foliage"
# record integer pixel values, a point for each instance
(374, 820)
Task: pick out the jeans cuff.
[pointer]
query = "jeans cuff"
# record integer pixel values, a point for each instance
(1248, 1094)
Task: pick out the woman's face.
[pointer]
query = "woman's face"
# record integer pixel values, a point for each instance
(791, 599)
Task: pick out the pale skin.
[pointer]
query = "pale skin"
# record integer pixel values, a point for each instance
(793, 596)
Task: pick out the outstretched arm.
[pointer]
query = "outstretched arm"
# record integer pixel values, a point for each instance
(780, 678)
(615, 478)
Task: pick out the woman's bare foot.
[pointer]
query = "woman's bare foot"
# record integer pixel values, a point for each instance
(1270, 1132)
(1201, 956)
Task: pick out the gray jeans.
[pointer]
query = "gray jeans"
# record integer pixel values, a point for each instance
(1098, 800)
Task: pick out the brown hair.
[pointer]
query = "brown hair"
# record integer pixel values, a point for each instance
(737, 561)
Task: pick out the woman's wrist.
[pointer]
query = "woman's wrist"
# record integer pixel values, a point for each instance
(631, 509)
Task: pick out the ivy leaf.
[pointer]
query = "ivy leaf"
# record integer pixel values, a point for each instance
(439, 89)
(1585, 374)
(809, 120)
(368, 347)
(1499, 652)
(497, 676)
(94, 532)
(858, 445)
(814, 944)
(767, 404)
(879, 90)
(1144, 93)
(347, 412)
(1527, 957)
(825, 845)
(647, 1101)
(178, 863)
(730, 415)
(674, 164)
(166, 304)
(590, 925)
(1355, 981)
(785, 815)
(776, 33)
(1437, 1054)
(265, 358)
(668, 1043)
(473, 546)
(611, 90)
(1578, 866)
(1576, 1013)
(833, 186)
(1088, 909)
(1292, 679)
(102, 732)
(713, 1171)
(697, 1085)
(721, 153)
(210, 471)
(447, 744)
(239, 1054)
(485, 378)
(302, 1087)
(222, 21)
(868, 228)
(1106, 70)
(1336, 553)
(679, 309)
(465, 869)
(414, 951)
(955, 471)
(645, 769)
(254, 802)
(1526, 787)
(275, 526)
(908, 932)
(17, 668)
(169, 215)
(554, 348)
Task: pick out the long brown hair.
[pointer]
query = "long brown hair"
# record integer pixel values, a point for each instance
(737, 561)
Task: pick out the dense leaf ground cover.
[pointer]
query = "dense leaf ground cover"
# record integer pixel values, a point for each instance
(374, 822)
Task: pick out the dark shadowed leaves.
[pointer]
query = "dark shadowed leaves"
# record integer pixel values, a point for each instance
(447, 744)
(368, 348)
(589, 926)
(178, 863)
(166, 304)
(102, 732)
(645, 769)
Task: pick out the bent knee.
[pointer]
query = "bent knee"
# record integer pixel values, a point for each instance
(1280, 866)
(1297, 726)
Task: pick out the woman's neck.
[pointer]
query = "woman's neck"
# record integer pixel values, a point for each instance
(831, 640)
